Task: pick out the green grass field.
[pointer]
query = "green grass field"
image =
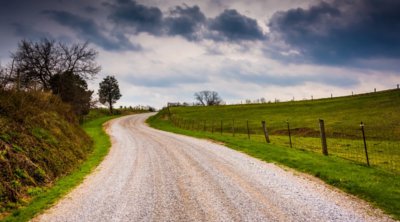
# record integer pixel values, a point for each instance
(376, 185)
(379, 111)
(43, 199)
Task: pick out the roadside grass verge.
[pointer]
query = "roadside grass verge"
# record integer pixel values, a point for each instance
(382, 153)
(379, 187)
(45, 198)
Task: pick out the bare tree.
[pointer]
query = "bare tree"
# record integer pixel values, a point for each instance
(6, 77)
(37, 62)
(208, 98)
(3, 77)
(79, 59)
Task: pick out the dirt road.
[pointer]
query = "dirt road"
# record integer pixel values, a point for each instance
(151, 175)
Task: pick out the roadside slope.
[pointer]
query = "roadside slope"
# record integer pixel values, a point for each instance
(40, 141)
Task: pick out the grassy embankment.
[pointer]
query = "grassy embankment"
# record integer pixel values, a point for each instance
(379, 186)
(44, 152)
(46, 198)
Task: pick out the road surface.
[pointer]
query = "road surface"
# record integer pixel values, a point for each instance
(151, 175)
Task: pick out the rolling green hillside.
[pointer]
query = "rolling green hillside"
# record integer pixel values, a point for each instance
(379, 112)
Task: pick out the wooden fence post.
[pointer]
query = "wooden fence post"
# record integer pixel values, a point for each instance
(248, 130)
(169, 112)
(290, 137)
(233, 127)
(265, 131)
(365, 142)
(323, 137)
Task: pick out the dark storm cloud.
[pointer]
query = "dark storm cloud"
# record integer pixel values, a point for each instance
(188, 22)
(89, 30)
(141, 17)
(25, 31)
(236, 27)
(342, 32)
(90, 9)
(185, 21)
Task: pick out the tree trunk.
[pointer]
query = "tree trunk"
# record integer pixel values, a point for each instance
(110, 103)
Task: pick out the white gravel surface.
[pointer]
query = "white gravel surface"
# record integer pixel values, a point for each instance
(151, 175)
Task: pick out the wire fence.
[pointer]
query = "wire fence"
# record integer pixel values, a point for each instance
(381, 147)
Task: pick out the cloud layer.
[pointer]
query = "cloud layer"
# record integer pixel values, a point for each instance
(127, 18)
(335, 32)
(340, 31)
(89, 30)
(167, 50)
(231, 25)
(185, 21)
(137, 16)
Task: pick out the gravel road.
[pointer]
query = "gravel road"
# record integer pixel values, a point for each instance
(151, 175)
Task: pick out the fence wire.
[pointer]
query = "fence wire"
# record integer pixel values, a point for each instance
(382, 144)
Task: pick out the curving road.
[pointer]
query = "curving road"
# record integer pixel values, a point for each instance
(151, 175)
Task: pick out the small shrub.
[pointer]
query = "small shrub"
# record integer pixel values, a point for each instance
(16, 184)
(41, 133)
(34, 191)
(2, 155)
(20, 173)
(39, 175)
(5, 137)
(17, 148)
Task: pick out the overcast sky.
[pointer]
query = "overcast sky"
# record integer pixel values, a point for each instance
(164, 51)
